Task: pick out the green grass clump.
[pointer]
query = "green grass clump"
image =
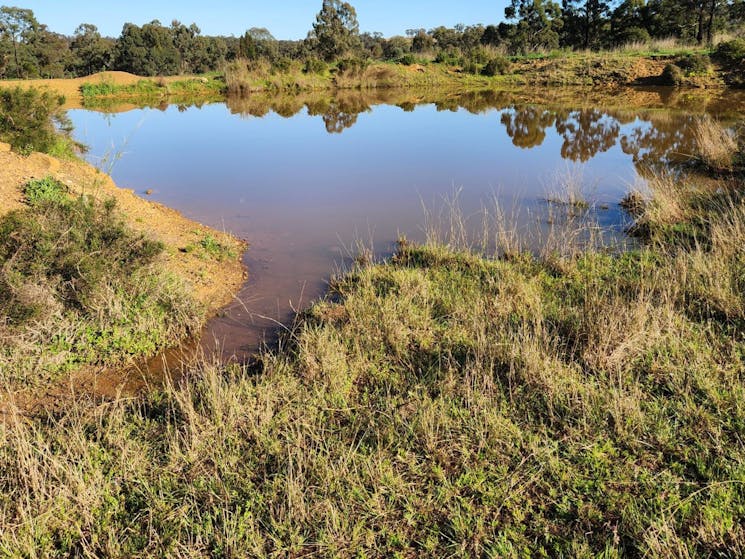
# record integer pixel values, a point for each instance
(109, 89)
(210, 247)
(77, 286)
(46, 190)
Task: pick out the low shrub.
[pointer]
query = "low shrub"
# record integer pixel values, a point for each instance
(281, 65)
(694, 64)
(315, 66)
(451, 58)
(407, 60)
(78, 286)
(497, 66)
(28, 117)
(672, 75)
(731, 52)
(352, 67)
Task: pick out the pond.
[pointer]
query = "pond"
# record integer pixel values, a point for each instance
(305, 178)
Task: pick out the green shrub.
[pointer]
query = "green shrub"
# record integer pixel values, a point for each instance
(451, 58)
(694, 64)
(634, 35)
(496, 66)
(352, 67)
(282, 65)
(315, 66)
(407, 60)
(731, 55)
(27, 119)
(672, 75)
(731, 52)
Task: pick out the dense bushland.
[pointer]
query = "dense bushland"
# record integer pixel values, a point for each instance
(29, 49)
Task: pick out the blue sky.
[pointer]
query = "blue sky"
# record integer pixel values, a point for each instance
(286, 19)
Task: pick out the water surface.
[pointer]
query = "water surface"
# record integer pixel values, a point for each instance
(304, 178)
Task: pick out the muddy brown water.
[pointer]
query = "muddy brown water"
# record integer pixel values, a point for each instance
(305, 178)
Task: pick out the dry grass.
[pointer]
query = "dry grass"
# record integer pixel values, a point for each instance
(716, 146)
(568, 188)
(653, 45)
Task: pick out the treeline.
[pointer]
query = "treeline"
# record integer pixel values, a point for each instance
(599, 24)
(29, 49)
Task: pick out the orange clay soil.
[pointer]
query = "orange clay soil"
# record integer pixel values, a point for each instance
(213, 282)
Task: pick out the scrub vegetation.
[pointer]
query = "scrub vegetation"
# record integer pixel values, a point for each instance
(601, 38)
(32, 120)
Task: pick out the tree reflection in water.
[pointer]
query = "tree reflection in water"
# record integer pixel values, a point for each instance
(646, 124)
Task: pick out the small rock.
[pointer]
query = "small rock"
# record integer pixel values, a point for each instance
(149, 192)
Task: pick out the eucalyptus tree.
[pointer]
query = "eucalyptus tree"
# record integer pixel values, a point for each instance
(585, 23)
(336, 31)
(17, 25)
(91, 52)
(538, 24)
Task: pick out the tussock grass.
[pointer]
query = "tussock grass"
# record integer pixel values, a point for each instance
(444, 403)
(716, 145)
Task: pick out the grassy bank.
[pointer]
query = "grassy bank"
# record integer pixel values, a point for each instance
(569, 403)
(146, 91)
(691, 67)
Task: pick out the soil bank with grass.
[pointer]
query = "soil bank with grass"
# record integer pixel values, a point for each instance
(72, 239)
